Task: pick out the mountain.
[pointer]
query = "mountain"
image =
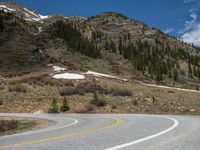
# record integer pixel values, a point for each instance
(108, 42)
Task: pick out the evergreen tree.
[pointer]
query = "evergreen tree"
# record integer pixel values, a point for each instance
(54, 107)
(1, 23)
(120, 46)
(176, 75)
(65, 106)
(74, 39)
(107, 45)
(113, 47)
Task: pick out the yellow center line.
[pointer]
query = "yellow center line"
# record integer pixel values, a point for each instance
(118, 122)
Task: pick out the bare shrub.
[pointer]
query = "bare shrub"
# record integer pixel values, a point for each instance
(40, 79)
(70, 90)
(120, 90)
(17, 88)
(97, 101)
(2, 88)
(89, 87)
(85, 108)
(6, 125)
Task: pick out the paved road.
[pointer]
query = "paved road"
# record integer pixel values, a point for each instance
(109, 132)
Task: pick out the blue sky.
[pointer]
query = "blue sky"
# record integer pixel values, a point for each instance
(176, 17)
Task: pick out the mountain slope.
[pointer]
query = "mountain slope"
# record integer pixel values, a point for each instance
(108, 42)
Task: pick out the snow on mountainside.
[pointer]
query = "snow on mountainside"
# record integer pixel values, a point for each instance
(27, 14)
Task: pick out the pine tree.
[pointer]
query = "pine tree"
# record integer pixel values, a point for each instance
(120, 46)
(1, 23)
(54, 107)
(107, 45)
(113, 47)
(176, 75)
(65, 106)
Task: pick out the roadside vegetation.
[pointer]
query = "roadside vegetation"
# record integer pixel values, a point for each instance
(14, 126)
(29, 93)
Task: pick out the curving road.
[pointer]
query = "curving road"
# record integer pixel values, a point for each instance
(108, 132)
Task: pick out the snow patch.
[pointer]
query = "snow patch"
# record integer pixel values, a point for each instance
(173, 88)
(43, 17)
(30, 12)
(104, 75)
(70, 76)
(5, 7)
(57, 68)
(40, 29)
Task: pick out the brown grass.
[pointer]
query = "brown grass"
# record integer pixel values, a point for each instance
(6, 125)
(90, 87)
(84, 108)
(17, 88)
(70, 90)
(119, 89)
(40, 79)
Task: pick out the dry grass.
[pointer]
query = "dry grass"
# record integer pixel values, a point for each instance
(99, 102)
(70, 90)
(90, 87)
(40, 79)
(17, 88)
(119, 89)
(6, 125)
(82, 89)
(84, 108)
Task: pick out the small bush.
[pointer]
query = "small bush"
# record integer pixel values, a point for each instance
(6, 125)
(120, 90)
(65, 106)
(98, 102)
(1, 88)
(1, 102)
(17, 88)
(86, 108)
(70, 90)
(88, 87)
(54, 107)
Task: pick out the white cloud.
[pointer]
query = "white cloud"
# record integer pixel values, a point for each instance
(189, 1)
(191, 31)
(167, 31)
(192, 36)
(189, 24)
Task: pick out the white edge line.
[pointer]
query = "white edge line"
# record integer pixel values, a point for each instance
(176, 123)
(42, 130)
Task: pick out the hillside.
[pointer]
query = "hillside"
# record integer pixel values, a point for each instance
(107, 63)
(122, 45)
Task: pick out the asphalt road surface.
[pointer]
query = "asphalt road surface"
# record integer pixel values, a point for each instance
(108, 132)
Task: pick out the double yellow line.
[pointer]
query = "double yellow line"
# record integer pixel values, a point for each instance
(118, 122)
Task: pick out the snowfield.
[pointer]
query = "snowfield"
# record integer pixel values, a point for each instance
(104, 75)
(70, 76)
(43, 17)
(30, 15)
(75, 76)
(58, 68)
(173, 88)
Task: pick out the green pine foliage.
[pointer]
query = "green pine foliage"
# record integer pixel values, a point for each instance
(74, 39)
(97, 101)
(158, 59)
(54, 107)
(65, 106)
